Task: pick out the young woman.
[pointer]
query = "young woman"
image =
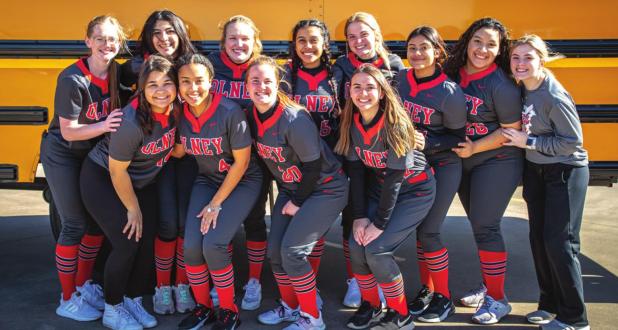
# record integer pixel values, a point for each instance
(392, 189)
(240, 45)
(312, 192)
(117, 189)
(86, 93)
(437, 106)
(214, 130)
(555, 182)
(165, 34)
(479, 63)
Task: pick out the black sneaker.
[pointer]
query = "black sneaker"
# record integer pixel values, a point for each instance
(199, 316)
(392, 320)
(421, 301)
(439, 309)
(365, 316)
(226, 320)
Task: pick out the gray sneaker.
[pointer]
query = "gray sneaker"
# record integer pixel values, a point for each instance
(77, 308)
(162, 302)
(253, 295)
(474, 297)
(139, 313)
(281, 313)
(93, 294)
(492, 311)
(117, 317)
(183, 297)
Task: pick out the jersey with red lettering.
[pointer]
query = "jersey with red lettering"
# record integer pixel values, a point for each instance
(286, 140)
(212, 136)
(229, 79)
(146, 152)
(492, 98)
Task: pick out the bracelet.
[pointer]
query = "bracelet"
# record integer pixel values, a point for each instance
(214, 208)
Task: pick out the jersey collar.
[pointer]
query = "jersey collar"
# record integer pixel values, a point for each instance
(312, 81)
(237, 69)
(268, 123)
(103, 84)
(162, 118)
(356, 62)
(372, 132)
(416, 88)
(466, 79)
(198, 123)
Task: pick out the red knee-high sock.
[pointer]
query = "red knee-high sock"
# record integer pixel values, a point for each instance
(198, 278)
(422, 267)
(437, 263)
(181, 273)
(306, 292)
(316, 255)
(88, 250)
(223, 280)
(394, 295)
(66, 264)
(369, 289)
(164, 260)
(288, 295)
(256, 252)
(346, 255)
(493, 265)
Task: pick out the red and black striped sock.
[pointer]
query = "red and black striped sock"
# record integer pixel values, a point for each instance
(288, 295)
(198, 278)
(493, 265)
(88, 250)
(181, 273)
(223, 279)
(394, 295)
(437, 263)
(346, 255)
(306, 292)
(66, 264)
(256, 252)
(315, 256)
(422, 267)
(164, 260)
(369, 289)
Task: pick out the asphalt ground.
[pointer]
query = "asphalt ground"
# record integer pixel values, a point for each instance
(29, 289)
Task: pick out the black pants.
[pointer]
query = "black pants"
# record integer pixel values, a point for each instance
(130, 265)
(555, 195)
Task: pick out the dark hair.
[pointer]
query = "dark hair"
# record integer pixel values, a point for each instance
(434, 38)
(145, 38)
(459, 53)
(195, 59)
(324, 59)
(154, 63)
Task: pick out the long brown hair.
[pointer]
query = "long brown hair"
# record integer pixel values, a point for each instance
(282, 97)
(257, 43)
(434, 38)
(399, 130)
(155, 63)
(372, 23)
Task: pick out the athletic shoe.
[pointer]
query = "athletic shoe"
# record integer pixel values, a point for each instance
(439, 309)
(392, 320)
(162, 302)
(557, 325)
(307, 322)
(491, 311)
(474, 297)
(281, 313)
(352, 297)
(365, 316)
(199, 316)
(139, 313)
(77, 308)
(421, 301)
(93, 294)
(253, 295)
(226, 320)
(214, 296)
(117, 317)
(539, 317)
(184, 299)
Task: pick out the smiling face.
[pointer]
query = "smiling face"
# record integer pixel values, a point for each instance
(482, 49)
(309, 46)
(421, 54)
(239, 42)
(526, 63)
(160, 91)
(194, 84)
(104, 43)
(366, 94)
(361, 40)
(262, 86)
(165, 38)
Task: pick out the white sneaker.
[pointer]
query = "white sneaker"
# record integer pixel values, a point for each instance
(474, 297)
(539, 317)
(281, 313)
(214, 296)
(184, 299)
(557, 325)
(116, 317)
(307, 322)
(491, 311)
(139, 313)
(352, 297)
(162, 302)
(77, 308)
(93, 294)
(253, 295)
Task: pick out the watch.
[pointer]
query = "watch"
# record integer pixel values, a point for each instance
(531, 143)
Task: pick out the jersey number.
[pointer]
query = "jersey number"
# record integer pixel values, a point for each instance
(325, 128)
(476, 129)
(224, 166)
(291, 174)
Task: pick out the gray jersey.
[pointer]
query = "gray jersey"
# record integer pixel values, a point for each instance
(550, 115)
(212, 136)
(229, 79)
(146, 152)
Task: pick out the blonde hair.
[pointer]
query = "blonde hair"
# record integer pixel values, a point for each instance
(399, 130)
(539, 46)
(372, 23)
(257, 43)
(279, 71)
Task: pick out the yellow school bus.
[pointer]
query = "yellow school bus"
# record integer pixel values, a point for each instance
(40, 38)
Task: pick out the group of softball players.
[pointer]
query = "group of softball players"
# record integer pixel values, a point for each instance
(167, 155)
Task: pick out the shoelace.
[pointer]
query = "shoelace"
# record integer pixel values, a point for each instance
(183, 294)
(124, 314)
(251, 290)
(485, 303)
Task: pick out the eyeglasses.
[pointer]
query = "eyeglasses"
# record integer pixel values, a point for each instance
(105, 40)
